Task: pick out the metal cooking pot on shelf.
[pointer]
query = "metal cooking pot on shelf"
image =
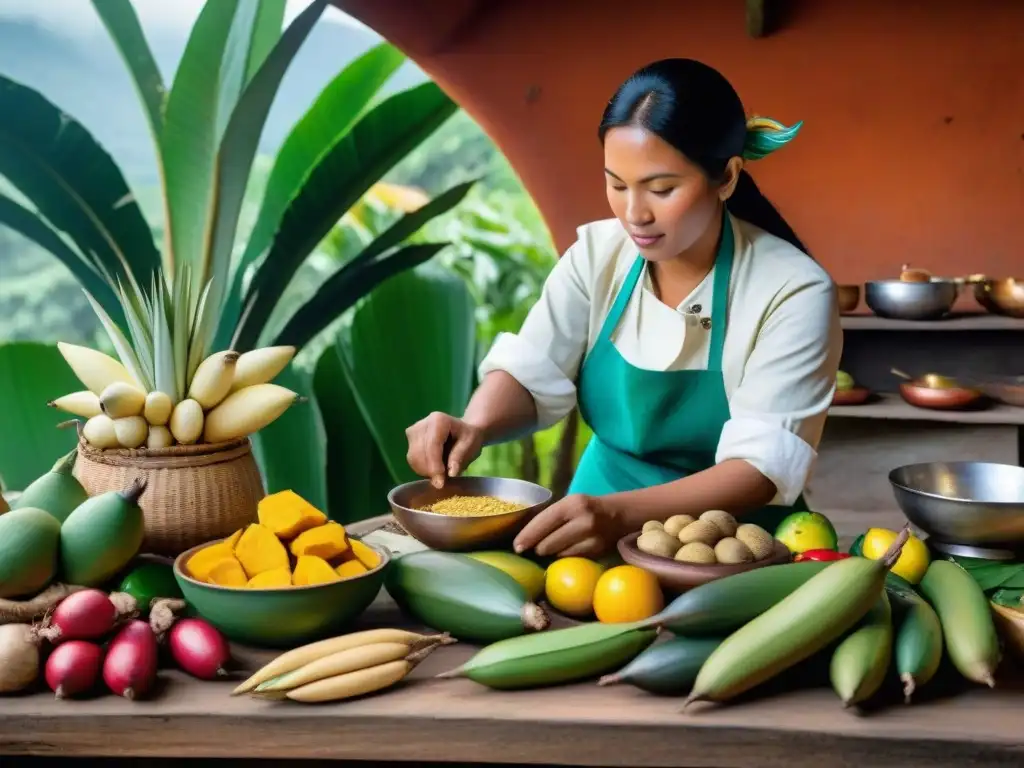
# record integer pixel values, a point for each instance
(915, 295)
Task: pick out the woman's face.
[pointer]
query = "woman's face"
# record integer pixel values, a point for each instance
(664, 201)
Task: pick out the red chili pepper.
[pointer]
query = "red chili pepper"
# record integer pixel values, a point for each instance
(820, 555)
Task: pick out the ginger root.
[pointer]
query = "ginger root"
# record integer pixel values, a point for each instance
(27, 611)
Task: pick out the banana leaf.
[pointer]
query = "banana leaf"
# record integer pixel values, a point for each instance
(290, 451)
(29, 225)
(337, 107)
(341, 176)
(189, 139)
(254, 32)
(31, 375)
(238, 148)
(358, 479)
(408, 350)
(346, 287)
(73, 183)
(123, 26)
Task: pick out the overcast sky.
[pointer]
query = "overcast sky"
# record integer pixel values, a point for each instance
(72, 17)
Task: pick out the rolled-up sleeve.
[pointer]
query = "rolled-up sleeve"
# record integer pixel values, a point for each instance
(545, 355)
(779, 408)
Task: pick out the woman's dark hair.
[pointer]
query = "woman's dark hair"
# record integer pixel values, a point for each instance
(692, 107)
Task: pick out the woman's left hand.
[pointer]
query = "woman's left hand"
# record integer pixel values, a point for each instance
(576, 526)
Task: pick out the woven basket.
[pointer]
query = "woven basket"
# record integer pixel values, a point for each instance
(194, 493)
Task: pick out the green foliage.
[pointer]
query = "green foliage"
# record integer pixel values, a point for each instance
(31, 375)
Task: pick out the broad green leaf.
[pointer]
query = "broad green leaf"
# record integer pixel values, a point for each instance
(334, 112)
(346, 287)
(291, 450)
(73, 183)
(358, 480)
(256, 29)
(122, 23)
(189, 141)
(31, 375)
(29, 225)
(241, 139)
(343, 174)
(410, 350)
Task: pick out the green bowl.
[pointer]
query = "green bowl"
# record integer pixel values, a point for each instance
(286, 616)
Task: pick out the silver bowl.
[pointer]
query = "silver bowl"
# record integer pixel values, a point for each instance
(963, 502)
(905, 300)
(460, 534)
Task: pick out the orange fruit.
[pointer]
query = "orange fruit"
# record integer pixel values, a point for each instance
(569, 585)
(627, 593)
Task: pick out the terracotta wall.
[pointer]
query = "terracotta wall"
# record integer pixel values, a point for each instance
(913, 149)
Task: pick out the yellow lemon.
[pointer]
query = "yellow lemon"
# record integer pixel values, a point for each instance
(914, 557)
(569, 585)
(627, 593)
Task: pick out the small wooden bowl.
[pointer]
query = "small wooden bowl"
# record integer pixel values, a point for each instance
(679, 577)
(855, 396)
(939, 399)
(848, 298)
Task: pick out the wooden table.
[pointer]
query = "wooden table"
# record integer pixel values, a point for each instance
(439, 721)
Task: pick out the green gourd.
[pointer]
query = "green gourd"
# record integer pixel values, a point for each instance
(102, 535)
(456, 594)
(29, 543)
(58, 491)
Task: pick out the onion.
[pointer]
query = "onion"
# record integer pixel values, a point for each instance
(198, 648)
(86, 615)
(73, 668)
(19, 657)
(130, 667)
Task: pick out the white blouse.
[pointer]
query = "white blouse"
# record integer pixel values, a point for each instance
(782, 345)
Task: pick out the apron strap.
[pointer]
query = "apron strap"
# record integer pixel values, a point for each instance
(622, 300)
(720, 293)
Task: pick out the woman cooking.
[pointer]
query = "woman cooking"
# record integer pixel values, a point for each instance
(698, 339)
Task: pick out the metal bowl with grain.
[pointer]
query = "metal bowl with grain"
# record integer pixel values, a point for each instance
(909, 300)
(449, 533)
(964, 502)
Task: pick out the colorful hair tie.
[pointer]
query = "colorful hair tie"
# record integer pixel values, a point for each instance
(765, 135)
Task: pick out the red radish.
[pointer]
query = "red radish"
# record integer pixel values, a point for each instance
(73, 668)
(130, 667)
(85, 615)
(198, 648)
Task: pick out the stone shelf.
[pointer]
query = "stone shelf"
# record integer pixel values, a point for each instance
(961, 322)
(891, 406)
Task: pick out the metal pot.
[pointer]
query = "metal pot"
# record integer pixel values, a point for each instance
(1001, 297)
(905, 300)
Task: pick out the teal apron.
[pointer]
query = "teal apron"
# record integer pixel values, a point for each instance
(653, 427)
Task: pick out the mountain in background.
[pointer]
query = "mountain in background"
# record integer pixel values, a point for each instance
(86, 78)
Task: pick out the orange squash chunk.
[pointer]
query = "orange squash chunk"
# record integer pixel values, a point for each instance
(350, 568)
(326, 541)
(276, 577)
(228, 573)
(364, 554)
(203, 561)
(287, 514)
(311, 569)
(259, 550)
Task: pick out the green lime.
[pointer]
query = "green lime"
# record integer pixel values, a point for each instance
(803, 531)
(149, 581)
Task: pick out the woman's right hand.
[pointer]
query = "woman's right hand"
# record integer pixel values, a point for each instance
(430, 437)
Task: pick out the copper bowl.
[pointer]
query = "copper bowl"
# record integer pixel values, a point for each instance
(849, 298)
(855, 396)
(679, 577)
(937, 398)
(1001, 297)
(1006, 389)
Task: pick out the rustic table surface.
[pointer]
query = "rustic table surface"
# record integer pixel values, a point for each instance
(426, 720)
